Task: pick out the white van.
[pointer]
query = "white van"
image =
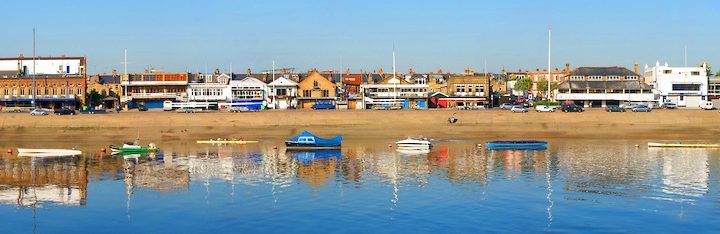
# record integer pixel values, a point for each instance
(706, 105)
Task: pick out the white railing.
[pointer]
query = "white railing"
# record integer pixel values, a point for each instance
(606, 96)
(398, 94)
(155, 95)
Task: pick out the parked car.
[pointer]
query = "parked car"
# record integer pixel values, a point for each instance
(706, 105)
(64, 111)
(238, 109)
(506, 106)
(544, 108)
(142, 108)
(39, 112)
(613, 108)
(641, 108)
(571, 108)
(670, 105)
(94, 111)
(323, 105)
(628, 106)
(518, 109)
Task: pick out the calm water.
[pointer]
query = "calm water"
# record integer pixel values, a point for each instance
(574, 186)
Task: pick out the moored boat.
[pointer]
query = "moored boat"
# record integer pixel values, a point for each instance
(517, 144)
(133, 148)
(306, 140)
(47, 152)
(239, 142)
(414, 144)
(682, 145)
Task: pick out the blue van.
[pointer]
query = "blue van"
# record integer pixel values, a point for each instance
(323, 105)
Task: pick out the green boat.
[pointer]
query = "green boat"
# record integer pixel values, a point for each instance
(127, 148)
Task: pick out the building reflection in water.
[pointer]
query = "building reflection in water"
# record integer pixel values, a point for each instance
(685, 172)
(35, 181)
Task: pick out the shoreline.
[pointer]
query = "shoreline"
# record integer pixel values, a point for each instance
(161, 126)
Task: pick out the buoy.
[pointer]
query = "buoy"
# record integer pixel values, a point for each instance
(9, 151)
(479, 145)
(274, 146)
(102, 150)
(389, 145)
(637, 146)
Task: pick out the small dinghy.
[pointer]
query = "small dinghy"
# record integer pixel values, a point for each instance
(414, 144)
(222, 141)
(134, 148)
(682, 145)
(48, 152)
(516, 144)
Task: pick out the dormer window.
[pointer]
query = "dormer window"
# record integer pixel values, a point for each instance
(613, 77)
(595, 77)
(576, 77)
(631, 77)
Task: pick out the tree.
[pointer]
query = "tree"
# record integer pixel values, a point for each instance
(542, 85)
(718, 73)
(93, 97)
(523, 85)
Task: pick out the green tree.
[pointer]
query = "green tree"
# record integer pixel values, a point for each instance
(542, 85)
(523, 85)
(93, 97)
(718, 73)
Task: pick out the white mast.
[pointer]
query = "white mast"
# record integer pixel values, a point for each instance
(273, 91)
(685, 55)
(549, 62)
(126, 77)
(395, 80)
(33, 75)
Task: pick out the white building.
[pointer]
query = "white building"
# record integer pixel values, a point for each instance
(209, 88)
(684, 86)
(395, 93)
(249, 92)
(602, 86)
(283, 94)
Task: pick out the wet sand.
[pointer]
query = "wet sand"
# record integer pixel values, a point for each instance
(160, 126)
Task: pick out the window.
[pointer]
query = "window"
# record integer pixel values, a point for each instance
(281, 92)
(667, 71)
(595, 77)
(613, 77)
(326, 93)
(307, 93)
(316, 85)
(686, 87)
(79, 92)
(631, 77)
(576, 77)
(695, 73)
(460, 88)
(682, 98)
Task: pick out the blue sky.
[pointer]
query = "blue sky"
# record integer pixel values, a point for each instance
(183, 36)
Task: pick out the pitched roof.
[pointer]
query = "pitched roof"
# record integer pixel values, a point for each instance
(282, 81)
(602, 71)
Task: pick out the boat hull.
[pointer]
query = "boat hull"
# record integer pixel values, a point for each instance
(49, 151)
(227, 142)
(519, 145)
(675, 145)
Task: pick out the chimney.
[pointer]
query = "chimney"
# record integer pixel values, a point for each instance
(114, 72)
(567, 67)
(347, 71)
(636, 68)
(249, 71)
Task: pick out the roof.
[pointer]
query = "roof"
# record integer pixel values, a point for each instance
(282, 81)
(247, 82)
(614, 85)
(602, 71)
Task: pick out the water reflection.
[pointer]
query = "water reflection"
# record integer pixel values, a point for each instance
(36, 181)
(611, 176)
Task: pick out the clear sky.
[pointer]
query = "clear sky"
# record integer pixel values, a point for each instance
(180, 35)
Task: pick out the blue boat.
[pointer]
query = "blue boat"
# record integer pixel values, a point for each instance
(306, 157)
(519, 145)
(307, 140)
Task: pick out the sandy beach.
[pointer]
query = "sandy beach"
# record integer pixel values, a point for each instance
(162, 126)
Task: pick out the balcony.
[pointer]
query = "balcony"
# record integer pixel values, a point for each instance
(398, 95)
(639, 97)
(469, 94)
(156, 95)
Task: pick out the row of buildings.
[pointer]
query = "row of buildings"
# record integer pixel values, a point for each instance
(63, 81)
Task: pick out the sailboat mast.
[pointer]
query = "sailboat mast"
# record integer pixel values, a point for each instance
(394, 77)
(33, 75)
(549, 62)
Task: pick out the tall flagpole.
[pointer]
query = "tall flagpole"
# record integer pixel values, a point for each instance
(33, 75)
(126, 77)
(549, 62)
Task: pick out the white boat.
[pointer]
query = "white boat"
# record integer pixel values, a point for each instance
(47, 152)
(414, 144)
(682, 145)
